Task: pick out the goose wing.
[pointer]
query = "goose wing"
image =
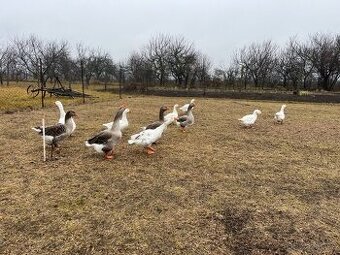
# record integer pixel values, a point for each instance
(55, 130)
(184, 120)
(247, 118)
(154, 125)
(100, 138)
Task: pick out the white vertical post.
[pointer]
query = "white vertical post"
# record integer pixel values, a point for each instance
(43, 136)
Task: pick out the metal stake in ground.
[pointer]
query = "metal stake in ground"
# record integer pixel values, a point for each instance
(43, 136)
(82, 79)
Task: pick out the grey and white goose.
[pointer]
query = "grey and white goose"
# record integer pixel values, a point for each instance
(187, 119)
(160, 121)
(105, 141)
(58, 132)
(123, 123)
(185, 107)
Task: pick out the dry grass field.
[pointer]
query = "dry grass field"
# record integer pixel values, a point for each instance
(217, 189)
(14, 97)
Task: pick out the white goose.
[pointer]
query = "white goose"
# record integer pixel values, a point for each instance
(185, 107)
(280, 116)
(172, 115)
(147, 137)
(123, 123)
(250, 119)
(62, 116)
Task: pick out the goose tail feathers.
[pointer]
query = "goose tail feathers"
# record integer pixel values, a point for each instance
(37, 129)
(87, 144)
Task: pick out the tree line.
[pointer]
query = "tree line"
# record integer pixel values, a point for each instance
(169, 61)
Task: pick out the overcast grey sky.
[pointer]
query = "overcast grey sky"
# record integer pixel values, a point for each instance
(216, 27)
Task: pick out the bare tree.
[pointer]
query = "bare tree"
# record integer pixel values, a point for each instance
(3, 53)
(168, 59)
(288, 68)
(258, 60)
(231, 75)
(99, 61)
(10, 62)
(84, 63)
(39, 58)
(182, 58)
(157, 53)
(67, 69)
(139, 69)
(202, 70)
(219, 77)
(302, 52)
(325, 56)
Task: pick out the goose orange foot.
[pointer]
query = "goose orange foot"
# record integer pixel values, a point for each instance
(108, 157)
(150, 150)
(149, 147)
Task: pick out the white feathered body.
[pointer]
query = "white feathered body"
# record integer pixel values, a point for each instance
(97, 147)
(185, 107)
(280, 116)
(172, 116)
(123, 123)
(250, 119)
(148, 136)
(48, 138)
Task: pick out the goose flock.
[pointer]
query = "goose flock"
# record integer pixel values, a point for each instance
(105, 141)
(250, 119)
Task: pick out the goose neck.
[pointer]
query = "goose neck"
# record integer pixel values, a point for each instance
(161, 115)
(69, 123)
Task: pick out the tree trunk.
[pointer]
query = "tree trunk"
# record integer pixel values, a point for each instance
(7, 75)
(186, 82)
(82, 79)
(42, 84)
(284, 81)
(256, 82)
(325, 83)
(87, 80)
(295, 85)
